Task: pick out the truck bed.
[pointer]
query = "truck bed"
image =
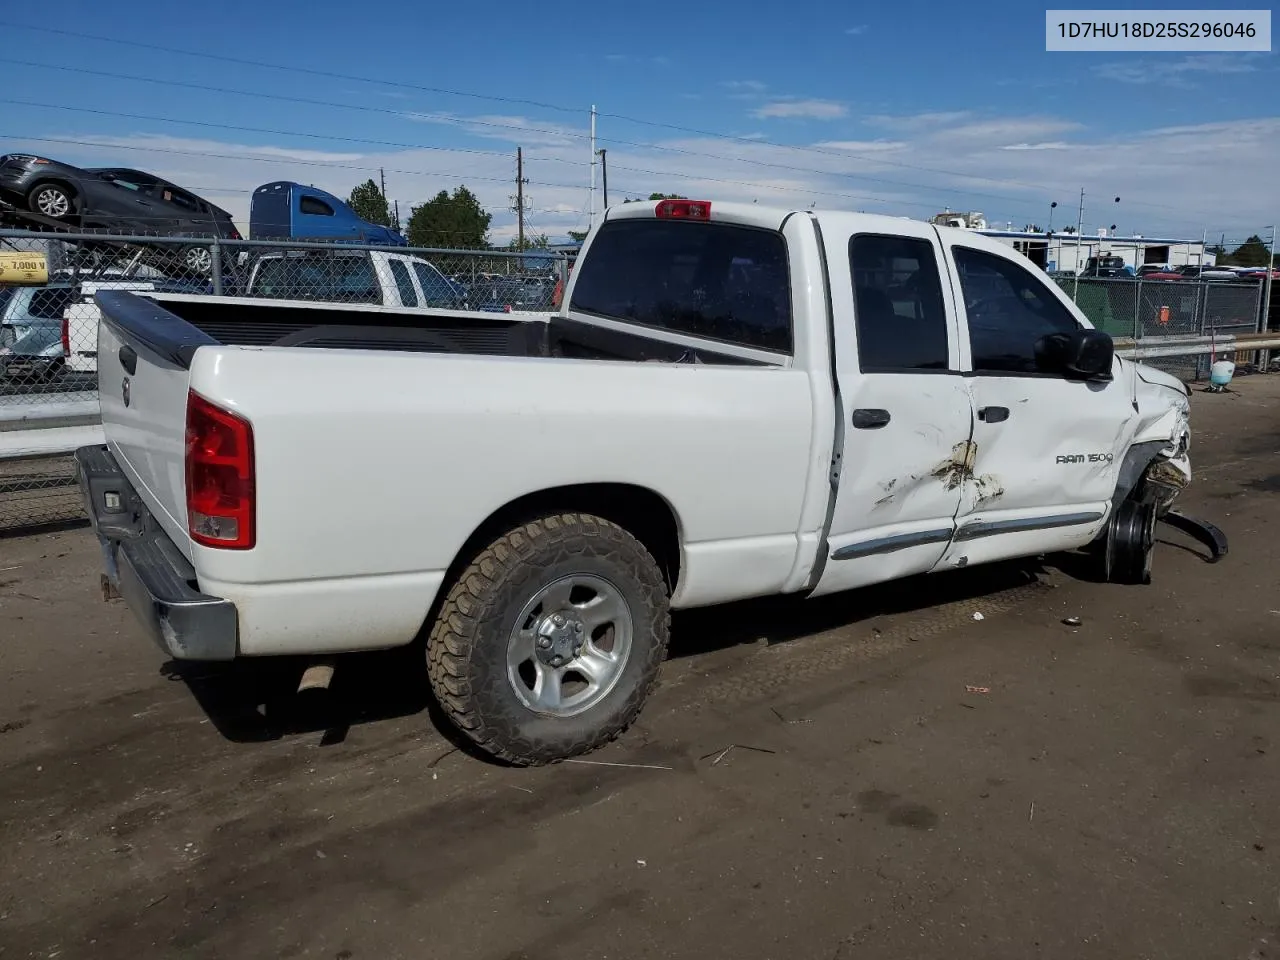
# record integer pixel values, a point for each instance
(262, 323)
(192, 320)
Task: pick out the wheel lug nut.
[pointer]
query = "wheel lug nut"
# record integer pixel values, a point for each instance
(577, 628)
(544, 642)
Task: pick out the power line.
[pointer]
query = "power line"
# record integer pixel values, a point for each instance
(278, 133)
(494, 153)
(568, 134)
(292, 69)
(259, 159)
(750, 141)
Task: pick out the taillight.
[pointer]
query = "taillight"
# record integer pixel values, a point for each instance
(683, 210)
(220, 482)
(66, 337)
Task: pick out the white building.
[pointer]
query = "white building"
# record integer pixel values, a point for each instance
(1067, 253)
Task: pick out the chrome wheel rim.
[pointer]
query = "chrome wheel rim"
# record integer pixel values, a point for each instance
(53, 202)
(569, 645)
(198, 258)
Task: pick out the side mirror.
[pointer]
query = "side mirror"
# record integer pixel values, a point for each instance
(1083, 355)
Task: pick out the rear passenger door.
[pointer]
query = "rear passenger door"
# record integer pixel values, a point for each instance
(905, 412)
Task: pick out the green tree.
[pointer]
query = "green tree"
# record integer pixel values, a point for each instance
(666, 196)
(452, 221)
(540, 242)
(578, 236)
(1252, 253)
(369, 204)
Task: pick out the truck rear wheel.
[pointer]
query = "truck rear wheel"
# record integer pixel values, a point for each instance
(548, 644)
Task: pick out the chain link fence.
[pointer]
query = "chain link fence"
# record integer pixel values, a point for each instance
(1168, 308)
(49, 333)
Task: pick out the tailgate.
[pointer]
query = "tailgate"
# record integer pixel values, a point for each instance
(144, 358)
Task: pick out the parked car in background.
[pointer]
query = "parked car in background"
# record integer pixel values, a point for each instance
(285, 210)
(497, 294)
(1196, 271)
(1105, 266)
(24, 307)
(353, 276)
(117, 199)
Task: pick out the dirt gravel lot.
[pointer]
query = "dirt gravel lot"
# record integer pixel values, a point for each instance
(813, 780)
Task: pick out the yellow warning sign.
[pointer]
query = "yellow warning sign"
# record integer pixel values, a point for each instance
(23, 269)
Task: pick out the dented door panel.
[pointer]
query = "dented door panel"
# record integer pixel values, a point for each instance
(897, 486)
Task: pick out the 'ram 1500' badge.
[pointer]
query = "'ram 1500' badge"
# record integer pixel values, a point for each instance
(1084, 458)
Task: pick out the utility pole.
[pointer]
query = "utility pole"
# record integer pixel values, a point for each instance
(591, 219)
(604, 176)
(520, 196)
(397, 226)
(382, 183)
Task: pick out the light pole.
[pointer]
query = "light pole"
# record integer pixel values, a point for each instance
(604, 175)
(1052, 206)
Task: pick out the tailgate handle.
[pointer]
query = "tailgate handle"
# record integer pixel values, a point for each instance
(129, 359)
(993, 414)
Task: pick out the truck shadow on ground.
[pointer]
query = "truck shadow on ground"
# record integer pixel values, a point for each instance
(256, 701)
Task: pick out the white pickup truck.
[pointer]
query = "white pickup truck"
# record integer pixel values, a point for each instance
(734, 401)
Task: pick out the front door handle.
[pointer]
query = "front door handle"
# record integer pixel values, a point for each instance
(870, 419)
(993, 414)
(129, 359)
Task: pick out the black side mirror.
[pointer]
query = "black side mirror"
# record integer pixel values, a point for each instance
(1083, 355)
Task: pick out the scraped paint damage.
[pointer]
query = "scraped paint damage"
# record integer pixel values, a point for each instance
(958, 468)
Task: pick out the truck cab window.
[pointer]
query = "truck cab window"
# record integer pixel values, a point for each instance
(900, 315)
(315, 206)
(715, 280)
(1008, 310)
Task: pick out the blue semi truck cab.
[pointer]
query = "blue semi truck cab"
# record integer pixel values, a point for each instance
(284, 210)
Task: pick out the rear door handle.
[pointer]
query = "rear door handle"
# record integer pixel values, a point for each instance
(129, 359)
(993, 414)
(870, 419)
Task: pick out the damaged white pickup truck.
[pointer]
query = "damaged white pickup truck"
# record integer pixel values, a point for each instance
(734, 401)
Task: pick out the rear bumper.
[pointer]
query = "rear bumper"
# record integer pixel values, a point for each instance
(144, 567)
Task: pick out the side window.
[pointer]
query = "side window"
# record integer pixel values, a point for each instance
(435, 290)
(408, 296)
(900, 314)
(714, 280)
(316, 206)
(1008, 310)
(180, 199)
(49, 303)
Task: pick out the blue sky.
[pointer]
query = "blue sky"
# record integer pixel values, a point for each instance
(904, 108)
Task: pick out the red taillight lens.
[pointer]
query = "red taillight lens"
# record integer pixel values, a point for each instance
(683, 209)
(220, 482)
(66, 337)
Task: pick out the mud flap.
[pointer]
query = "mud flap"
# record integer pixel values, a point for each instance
(1201, 530)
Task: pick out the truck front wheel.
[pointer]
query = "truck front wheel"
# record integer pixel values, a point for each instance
(548, 644)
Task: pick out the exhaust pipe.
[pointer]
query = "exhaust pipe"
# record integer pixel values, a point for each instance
(318, 676)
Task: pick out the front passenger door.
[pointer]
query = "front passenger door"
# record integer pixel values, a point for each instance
(1046, 448)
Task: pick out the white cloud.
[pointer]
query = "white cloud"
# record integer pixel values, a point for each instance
(862, 146)
(857, 31)
(750, 86)
(1010, 167)
(805, 109)
(1175, 73)
(917, 121)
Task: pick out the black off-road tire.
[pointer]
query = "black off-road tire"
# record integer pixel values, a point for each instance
(467, 645)
(1130, 543)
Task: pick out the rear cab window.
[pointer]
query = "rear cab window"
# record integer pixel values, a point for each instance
(717, 281)
(347, 279)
